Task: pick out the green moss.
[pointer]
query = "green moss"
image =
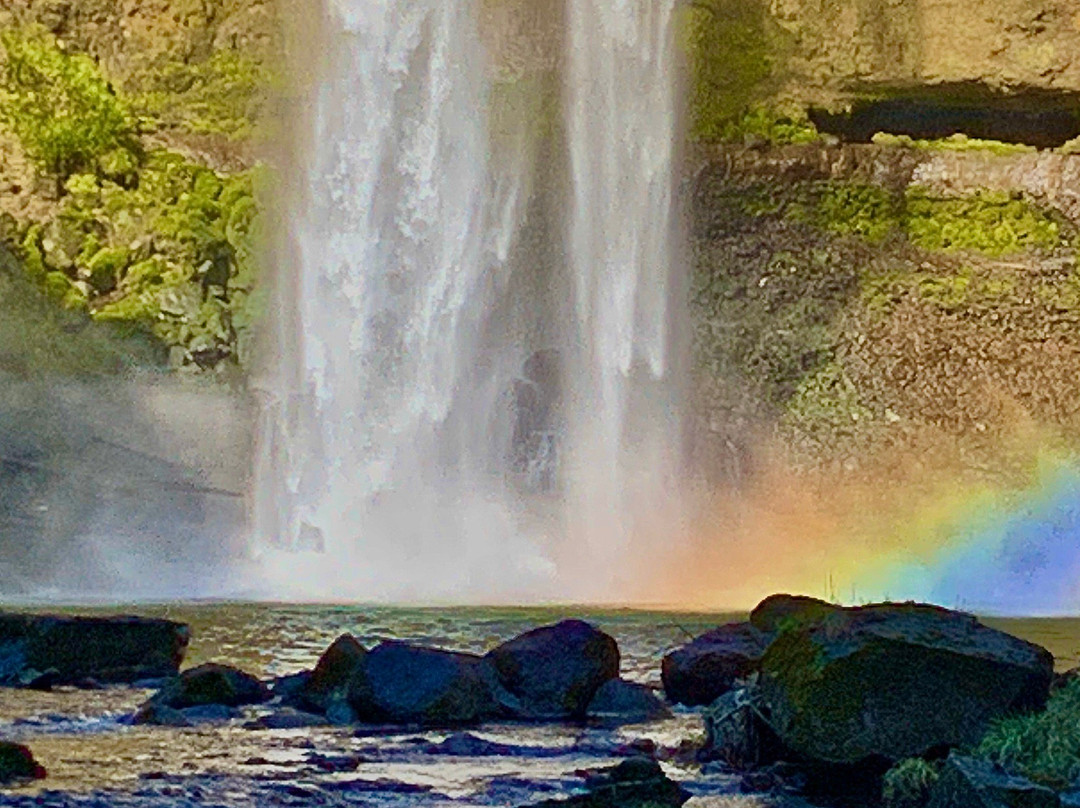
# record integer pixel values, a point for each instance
(908, 783)
(1044, 747)
(985, 222)
(990, 223)
(222, 94)
(59, 105)
(771, 126)
(734, 51)
(827, 400)
(958, 142)
(850, 209)
(104, 269)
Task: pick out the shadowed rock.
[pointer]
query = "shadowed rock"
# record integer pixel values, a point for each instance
(634, 783)
(17, 763)
(69, 650)
(333, 673)
(553, 672)
(708, 667)
(621, 702)
(405, 684)
(211, 684)
(969, 783)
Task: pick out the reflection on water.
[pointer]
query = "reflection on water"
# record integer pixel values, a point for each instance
(81, 739)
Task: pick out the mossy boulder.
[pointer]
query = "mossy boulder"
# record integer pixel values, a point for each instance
(893, 681)
(969, 783)
(553, 672)
(708, 667)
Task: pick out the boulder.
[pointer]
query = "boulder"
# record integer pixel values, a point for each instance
(776, 611)
(735, 733)
(70, 650)
(893, 681)
(702, 671)
(333, 673)
(211, 684)
(552, 672)
(17, 763)
(969, 783)
(621, 702)
(401, 683)
(634, 783)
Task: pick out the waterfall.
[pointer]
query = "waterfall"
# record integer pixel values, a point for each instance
(457, 369)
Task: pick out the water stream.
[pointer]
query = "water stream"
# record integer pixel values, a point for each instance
(475, 384)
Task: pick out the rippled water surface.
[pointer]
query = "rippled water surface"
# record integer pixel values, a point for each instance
(80, 737)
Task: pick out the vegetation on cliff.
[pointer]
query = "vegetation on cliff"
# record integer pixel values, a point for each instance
(138, 234)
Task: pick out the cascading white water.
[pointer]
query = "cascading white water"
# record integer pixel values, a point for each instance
(410, 308)
(621, 118)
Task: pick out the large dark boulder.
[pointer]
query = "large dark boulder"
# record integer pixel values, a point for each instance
(969, 783)
(705, 669)
(71, 650)
(329, 682)
(406, 684)
(553, 672)
(211, 684)
(17, 763)
(892, 681)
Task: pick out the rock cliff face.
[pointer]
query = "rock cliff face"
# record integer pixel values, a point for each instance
(850, 48)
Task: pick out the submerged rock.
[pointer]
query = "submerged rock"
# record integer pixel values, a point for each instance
(893, 681)
(45, 650)
(621, 702)
(552, 672)
(405, 684)
(212, 684)
(711, 665)
(969, 783)
(17, 763)
(287, 718)
(634, 783)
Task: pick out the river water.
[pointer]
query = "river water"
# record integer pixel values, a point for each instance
(94, 759)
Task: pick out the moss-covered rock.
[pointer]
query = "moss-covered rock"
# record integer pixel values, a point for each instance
(894, 681)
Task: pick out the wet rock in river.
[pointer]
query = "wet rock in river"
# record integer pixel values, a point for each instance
(400, 683)
(620, 702)
(17, 763)
(330, 681)
(736, 734)
(51, 650)
(634, 783)
(553, 672)
(212, 684)
(892, 681)
(711, 665)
